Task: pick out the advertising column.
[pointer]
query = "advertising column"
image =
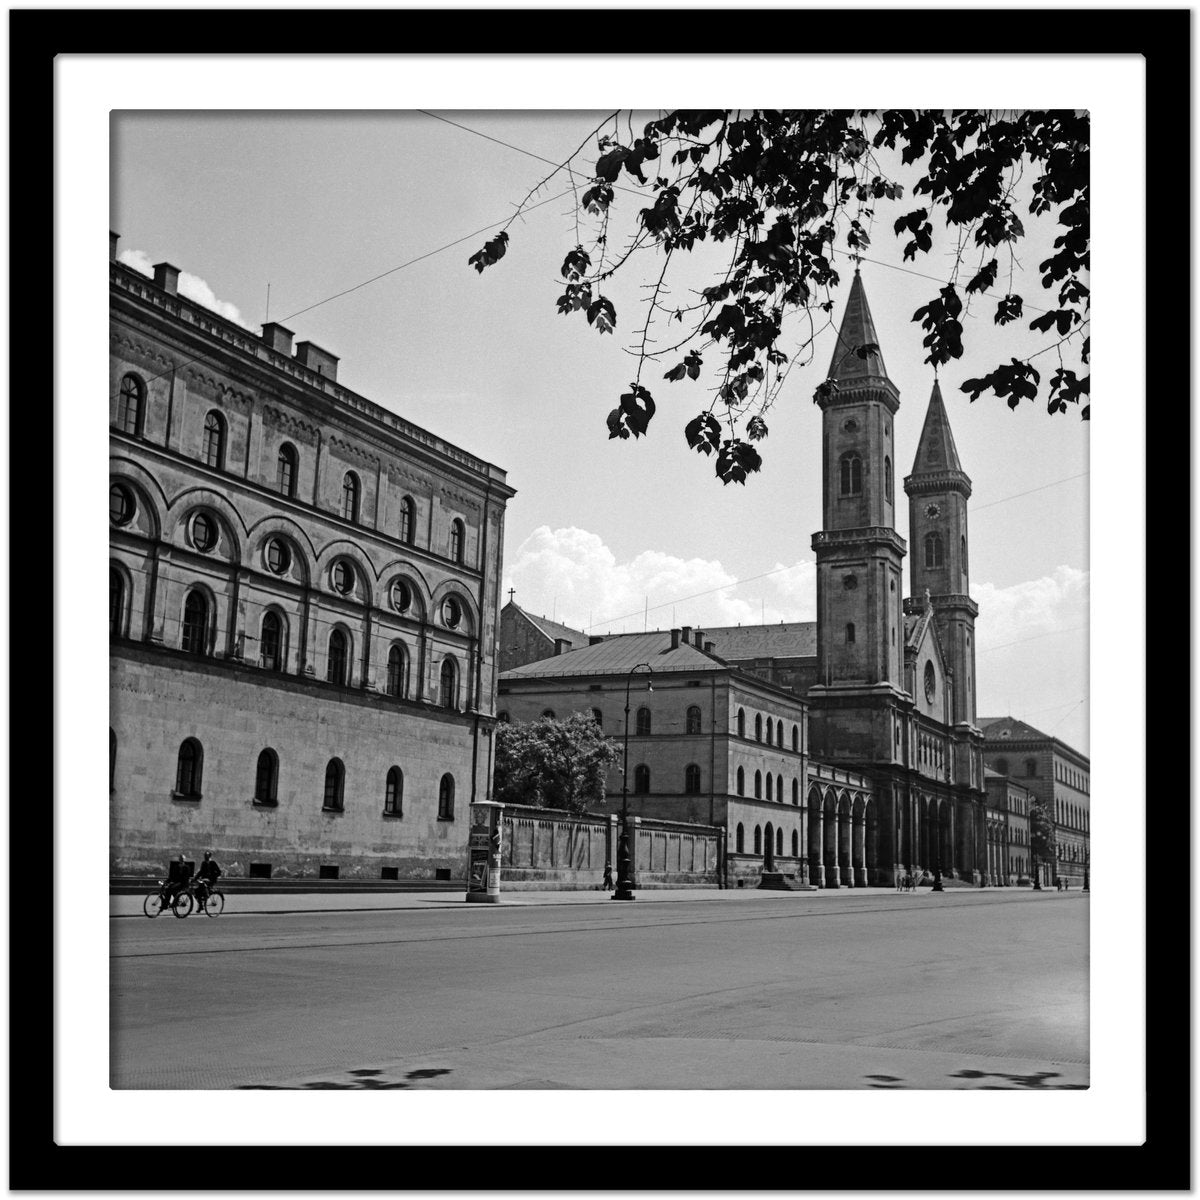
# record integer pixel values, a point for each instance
(483, 853)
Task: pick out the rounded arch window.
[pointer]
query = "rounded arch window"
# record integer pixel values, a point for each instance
(691, 779)
(457, 540)
(741, 781)
(116, 601)
(758, 839)
(930, 682)
(643, 722)
(741, 722)
(796, 791)
(641, 780)
(336, 668)
(335, 786)
(758, 727)
(393, 795)
(850, 474)
(121, 505)
(770, 786)
(446, 798)
(204, 532)
(449, 681)
(770, 738)
(693, 719)
(758, 785)
(271, 641)
(189, 769)
(285, 477)
(350, 496)
(795, 844)
(401, 596)
(598, 718)
(548, 714)
(934, 556)
(214, 439)
(131, 404)
(279, 556)
(343, 577)
(195, 623)
(266, 777)
(408, 520)
(397, 671)
(796, 738)
(452, 612)
(741, 838)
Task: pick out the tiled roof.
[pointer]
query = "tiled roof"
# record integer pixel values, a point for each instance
(553, 630)
(736, 642)
(618, 654)
(994, 728)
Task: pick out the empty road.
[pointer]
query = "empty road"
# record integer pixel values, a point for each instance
(846, 989)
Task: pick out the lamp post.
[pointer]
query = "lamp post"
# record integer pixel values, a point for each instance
(937, 848)
(624, 864)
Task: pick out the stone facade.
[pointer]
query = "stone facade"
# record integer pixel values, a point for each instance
(298, 578)
(1059, 777)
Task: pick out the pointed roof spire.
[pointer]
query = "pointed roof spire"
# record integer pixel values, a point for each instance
(858, 329)
(936, 450)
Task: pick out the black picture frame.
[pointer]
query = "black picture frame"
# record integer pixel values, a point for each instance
(36, 1162)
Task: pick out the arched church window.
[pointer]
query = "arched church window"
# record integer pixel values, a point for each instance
(933, 550)
(851, 474)
(849, 632)
(887, 479)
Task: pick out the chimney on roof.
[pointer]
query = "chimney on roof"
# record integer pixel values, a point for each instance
(315, 359)
(113, 239)
(699, 642)
(561, 645)
(674, 639)
(595, 639)
(708, 647)
(686, 633)
(167, 278)
(277, 338)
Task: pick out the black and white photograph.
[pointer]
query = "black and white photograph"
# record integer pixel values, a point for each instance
(680, 538)
(605, 603)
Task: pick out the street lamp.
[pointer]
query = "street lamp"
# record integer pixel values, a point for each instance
(624, 865)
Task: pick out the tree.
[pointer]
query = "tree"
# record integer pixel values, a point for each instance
(780, 193)
(1041, 836)
(553, 764)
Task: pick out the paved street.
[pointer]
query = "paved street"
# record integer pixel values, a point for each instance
(835, 989)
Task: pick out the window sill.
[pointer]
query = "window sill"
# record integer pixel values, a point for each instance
(440, 818)
(187, 795)
(336, 811)
(395, 816)
(257, 803)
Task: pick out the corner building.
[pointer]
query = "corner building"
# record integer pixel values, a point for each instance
(303, 607)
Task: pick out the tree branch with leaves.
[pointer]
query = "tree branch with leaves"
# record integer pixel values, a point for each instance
(780, 193)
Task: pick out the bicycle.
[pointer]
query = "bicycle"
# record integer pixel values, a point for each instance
(180, 902)
(208, 900)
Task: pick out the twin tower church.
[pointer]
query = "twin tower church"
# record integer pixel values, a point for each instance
(839, 753)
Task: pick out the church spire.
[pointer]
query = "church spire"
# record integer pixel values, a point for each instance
(936, 450)
(858, 329)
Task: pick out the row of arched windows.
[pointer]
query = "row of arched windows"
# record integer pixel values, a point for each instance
(131, 409)
(774, 786)
(740, 840)
(195, 632)
(189, 775)
(1070, 815)
(1065, 774)
(1031, 767)
(772, 732)
(644, 721)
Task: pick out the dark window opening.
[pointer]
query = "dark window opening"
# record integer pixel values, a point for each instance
(335, 781)
(214, 440)
(285, 476)
(266, 777)
(446, 798)
(260, 871)
(327, 871)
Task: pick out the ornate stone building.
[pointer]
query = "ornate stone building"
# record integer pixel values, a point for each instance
(883, 687)
(303, 601)
(1059, 777)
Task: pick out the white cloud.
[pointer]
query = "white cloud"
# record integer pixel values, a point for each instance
(190, 286)
(1054, 602)
(571, 575)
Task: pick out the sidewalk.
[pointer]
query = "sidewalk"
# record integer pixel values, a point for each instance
(276, 903)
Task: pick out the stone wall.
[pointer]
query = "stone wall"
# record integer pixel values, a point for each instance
(547, 848)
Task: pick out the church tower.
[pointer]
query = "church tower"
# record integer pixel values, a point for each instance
(859, 554)
(938, 490)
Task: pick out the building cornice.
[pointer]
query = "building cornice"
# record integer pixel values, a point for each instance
(937, 481)
(870, 535)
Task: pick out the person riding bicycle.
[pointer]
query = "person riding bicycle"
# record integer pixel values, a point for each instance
(178, 873)
(207, 876)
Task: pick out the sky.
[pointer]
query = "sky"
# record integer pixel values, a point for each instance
(606, 535)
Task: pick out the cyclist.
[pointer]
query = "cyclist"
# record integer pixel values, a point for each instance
(207, 876)
(177, 879)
